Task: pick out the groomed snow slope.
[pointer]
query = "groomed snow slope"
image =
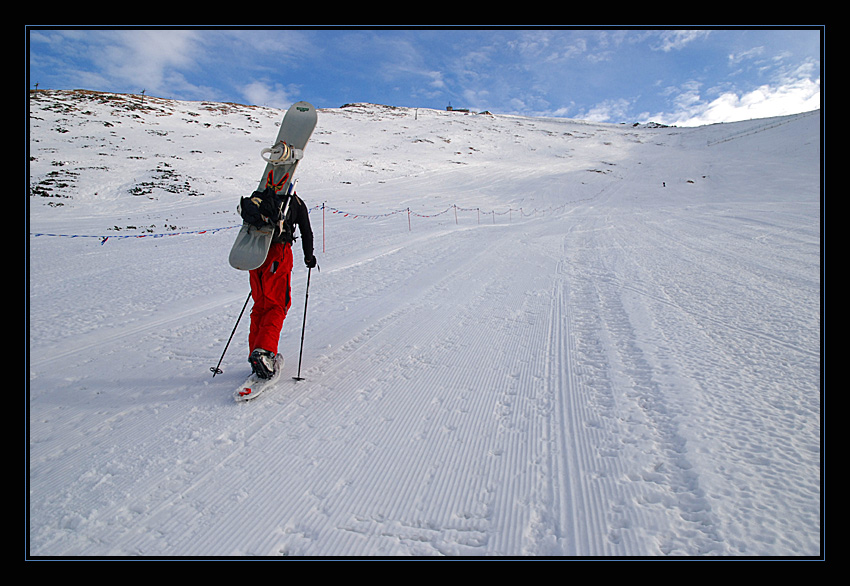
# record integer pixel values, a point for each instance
(528, 337)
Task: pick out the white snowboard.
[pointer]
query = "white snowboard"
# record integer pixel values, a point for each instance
(252, 244)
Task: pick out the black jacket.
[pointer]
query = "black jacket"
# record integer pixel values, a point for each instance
(297, 215)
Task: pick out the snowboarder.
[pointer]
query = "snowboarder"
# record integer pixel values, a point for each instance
(270, 283)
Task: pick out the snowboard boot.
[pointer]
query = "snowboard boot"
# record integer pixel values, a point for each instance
(262, 363)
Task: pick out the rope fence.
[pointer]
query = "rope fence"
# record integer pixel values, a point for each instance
(325, 209)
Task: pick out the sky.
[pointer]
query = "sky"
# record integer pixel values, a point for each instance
(669, 76)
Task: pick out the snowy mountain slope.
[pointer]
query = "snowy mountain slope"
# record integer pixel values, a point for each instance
(527, 337)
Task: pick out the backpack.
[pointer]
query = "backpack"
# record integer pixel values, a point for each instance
(268, 207)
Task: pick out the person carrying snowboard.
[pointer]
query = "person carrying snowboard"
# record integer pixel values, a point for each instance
(270, 283)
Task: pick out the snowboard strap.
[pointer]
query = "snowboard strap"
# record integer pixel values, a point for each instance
(285, 211)
(285, 232)
(281, 154)
(277, 155)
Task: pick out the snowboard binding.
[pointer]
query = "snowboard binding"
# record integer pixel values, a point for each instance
(281, 154)
(263, 363)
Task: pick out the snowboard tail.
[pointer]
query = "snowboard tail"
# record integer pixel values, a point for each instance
(252, 244)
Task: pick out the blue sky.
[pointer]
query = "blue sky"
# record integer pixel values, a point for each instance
(671, 76)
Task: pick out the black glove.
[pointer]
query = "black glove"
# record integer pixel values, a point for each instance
(310, 261)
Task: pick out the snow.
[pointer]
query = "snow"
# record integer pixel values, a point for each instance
(527, 337)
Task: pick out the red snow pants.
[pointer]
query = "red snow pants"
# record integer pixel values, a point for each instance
(271, 292)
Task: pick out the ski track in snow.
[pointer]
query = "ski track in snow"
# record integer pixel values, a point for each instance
(634, 374)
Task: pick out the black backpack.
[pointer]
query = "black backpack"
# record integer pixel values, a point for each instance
(267, 207)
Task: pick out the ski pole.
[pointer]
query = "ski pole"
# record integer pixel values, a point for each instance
(303, 324)
(215, 369)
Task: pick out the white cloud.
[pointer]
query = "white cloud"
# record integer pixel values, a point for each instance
(152, 59)
(766, 101)
(736, 58)
(608, 111)
(156, 61)
(676, 40)
(272, 95)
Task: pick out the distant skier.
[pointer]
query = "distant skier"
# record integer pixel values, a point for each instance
(270, 283)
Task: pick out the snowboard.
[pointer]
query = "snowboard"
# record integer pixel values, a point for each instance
(255, 386)
(252, 244)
